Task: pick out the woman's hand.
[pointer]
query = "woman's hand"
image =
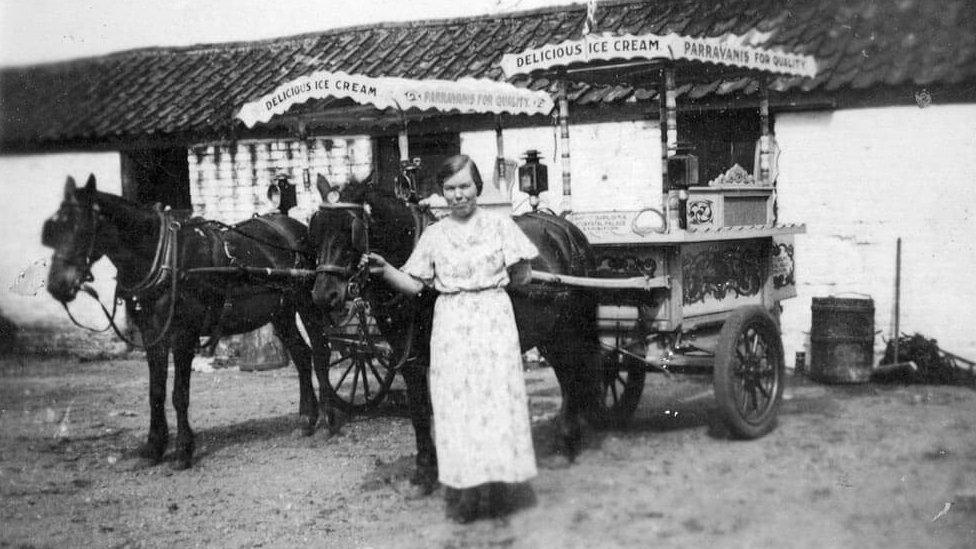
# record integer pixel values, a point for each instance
(520, 274)
(373, 259)
(397, 278)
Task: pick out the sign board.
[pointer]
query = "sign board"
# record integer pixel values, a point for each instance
(729, 50)
(618, 227)
(467, 95)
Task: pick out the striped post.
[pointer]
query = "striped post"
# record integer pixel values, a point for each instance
(403, 143)
(567, 203)
(590, 24)
(668, 122)
(499, 151)
(764, 136)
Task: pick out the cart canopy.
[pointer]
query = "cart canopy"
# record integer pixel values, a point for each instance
(467, 95)
(594, 51)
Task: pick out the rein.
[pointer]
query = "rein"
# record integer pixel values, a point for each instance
(261, 241)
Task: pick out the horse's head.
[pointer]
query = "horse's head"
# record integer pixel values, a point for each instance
(72, 233)
(339, 234)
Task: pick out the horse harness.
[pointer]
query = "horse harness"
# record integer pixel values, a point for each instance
(165, 268)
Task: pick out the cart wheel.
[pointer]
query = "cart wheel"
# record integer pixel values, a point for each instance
(749, 372)
(623, 383)
(360, 365)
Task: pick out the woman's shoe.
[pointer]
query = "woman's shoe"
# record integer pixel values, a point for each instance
(499, 500)
(451, 497)
(466, 508)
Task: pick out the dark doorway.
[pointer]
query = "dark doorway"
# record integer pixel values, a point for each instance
(157, 175)
(432, 149)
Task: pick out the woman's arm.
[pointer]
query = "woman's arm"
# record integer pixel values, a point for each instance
(520, 274)
(400, 280)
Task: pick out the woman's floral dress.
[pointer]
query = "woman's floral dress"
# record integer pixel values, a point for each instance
(481, 416)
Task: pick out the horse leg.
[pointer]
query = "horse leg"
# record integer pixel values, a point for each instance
(287, 332)
(157, 357)
(314, 327)
(184, 344)
(570, 432)
(421, 415)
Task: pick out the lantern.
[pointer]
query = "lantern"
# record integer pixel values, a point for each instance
(282, 193)
(682, 168)
(533, 175)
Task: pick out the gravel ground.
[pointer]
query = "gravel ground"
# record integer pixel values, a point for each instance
(847, 466)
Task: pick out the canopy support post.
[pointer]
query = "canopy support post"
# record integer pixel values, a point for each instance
(305, 153)
(563, 100)
(765, 144)
(668, 122)
(499, 150)
(403, 143)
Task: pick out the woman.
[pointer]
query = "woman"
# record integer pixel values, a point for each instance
(481, 420)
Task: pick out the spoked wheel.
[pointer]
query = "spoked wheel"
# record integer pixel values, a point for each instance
(623, 383)
(361, 363)
(749, 372)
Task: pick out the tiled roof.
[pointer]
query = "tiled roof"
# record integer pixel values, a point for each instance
(195, 91)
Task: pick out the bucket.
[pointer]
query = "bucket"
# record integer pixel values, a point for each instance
(842, 339)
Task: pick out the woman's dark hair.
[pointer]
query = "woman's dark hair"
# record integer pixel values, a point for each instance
(454, 165)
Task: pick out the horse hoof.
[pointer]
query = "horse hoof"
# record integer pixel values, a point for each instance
(151, 452)
(554, 461)
(572, 452)
(424, 481)
(416, 491)
(308, 425)
(573, 445)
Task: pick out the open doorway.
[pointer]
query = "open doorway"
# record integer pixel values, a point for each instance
(432, 149)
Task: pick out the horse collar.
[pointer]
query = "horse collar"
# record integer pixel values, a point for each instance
(164, 262)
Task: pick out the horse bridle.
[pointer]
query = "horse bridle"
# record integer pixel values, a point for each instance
(355, 275)
(164, 263)
(84, 265)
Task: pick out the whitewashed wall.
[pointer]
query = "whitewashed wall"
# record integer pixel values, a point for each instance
(229, 182)
(32, 188)
(615, 166)
(860, 179)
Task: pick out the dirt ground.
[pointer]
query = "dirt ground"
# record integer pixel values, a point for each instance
(854, 466)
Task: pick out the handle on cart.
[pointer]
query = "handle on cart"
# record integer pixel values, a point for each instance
(633, 283)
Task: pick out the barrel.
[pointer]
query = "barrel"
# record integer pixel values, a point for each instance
(842, 339)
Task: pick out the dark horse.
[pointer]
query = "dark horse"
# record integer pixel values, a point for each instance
(174, 308)
(560, 321)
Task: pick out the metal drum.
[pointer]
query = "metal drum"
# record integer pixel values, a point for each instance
(842, 339)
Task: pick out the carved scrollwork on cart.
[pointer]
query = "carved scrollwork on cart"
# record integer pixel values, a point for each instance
(700, 212)
(782, 265)
(735, 269)
(625, 265)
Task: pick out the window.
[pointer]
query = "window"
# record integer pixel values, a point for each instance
(720, 139)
